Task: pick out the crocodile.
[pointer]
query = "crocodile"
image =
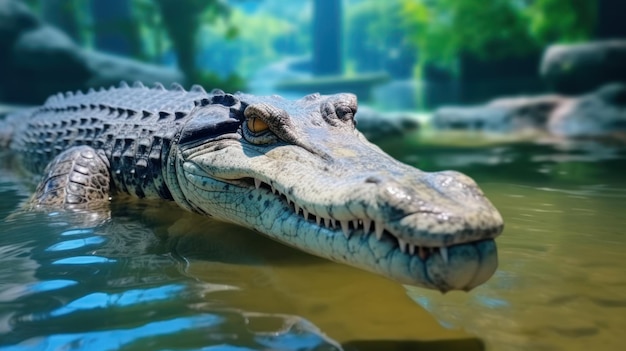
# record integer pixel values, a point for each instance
(298, 171)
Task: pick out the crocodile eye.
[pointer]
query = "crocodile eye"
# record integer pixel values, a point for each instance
(344, 112)
(256, 125)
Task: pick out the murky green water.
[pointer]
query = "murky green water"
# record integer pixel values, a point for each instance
(156, 277)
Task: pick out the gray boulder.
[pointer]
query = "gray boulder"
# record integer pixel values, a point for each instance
(581, 68)
(15, 18)
(602, 112)
(528, 111)
(483, 118)
(45, 48)
(44, 61)
(39, 60)
(376, 125)
(500, 115)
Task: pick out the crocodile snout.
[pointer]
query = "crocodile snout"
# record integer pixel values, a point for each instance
(437, 209)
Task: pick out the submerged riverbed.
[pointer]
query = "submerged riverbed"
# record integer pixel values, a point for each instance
(156, 277)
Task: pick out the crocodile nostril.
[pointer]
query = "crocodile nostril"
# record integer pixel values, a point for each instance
(373, 180)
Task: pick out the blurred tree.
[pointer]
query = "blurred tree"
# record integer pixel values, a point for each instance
(561, 20)
(33, 4)
(175, 25)
(151, 30)
(327, 35)
(375, 42)
(444, 29)
(263, 39)
(182, 20)
(610, 22)
(115, 28)
(63, 14)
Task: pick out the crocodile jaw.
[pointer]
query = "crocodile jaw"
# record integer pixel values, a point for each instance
(433, 230)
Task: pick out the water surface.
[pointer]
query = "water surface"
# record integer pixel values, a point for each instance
(156, 277)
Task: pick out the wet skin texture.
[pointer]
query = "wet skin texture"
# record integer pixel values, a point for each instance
(297, 171)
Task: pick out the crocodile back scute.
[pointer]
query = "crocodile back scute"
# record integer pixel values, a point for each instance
(132, 126)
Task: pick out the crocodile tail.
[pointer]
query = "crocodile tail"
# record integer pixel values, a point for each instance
(8, 123)
(6, 130)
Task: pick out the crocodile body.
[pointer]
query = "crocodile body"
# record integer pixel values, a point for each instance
(297, 171)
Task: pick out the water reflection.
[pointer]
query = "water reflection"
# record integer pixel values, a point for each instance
(117, 286)
(154, 276)
(561, 281)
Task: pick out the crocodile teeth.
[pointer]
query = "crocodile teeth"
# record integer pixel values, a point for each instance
(411, 249)
(305, 213)
(367, 225)
(296, 208)
(257, 183)
(402, 245)
(378, 228)
(345, 228)
(443, 251)
(318, 220)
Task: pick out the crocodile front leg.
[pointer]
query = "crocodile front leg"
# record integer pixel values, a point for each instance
(78, 178)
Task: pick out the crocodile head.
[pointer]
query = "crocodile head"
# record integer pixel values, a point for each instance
(301, 173)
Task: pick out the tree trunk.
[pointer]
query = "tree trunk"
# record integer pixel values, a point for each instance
(62, 14)
(327, 33)
(115, 29)
(610, 21)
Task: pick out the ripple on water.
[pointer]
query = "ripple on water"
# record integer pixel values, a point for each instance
(108, 287)
(223, 330)
(561, 281)
(68, 282)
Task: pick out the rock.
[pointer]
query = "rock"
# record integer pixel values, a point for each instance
(375, 125)
(44, 61)
(500, 115)
(15, 18)
(581, 68)
(39, 60)
(45, 48)
(528, 111)
(486, 118)
(602, 112)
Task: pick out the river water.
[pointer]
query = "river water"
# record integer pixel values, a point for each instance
(156, 277)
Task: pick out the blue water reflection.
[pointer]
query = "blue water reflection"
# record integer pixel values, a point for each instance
(76, 244)
(77, 232)
(203, 331)
(50, 285)
(117, 339)
(124, 299)
(114, 286)
(81, 260)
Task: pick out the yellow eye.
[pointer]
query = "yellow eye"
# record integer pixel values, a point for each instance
(256, 125)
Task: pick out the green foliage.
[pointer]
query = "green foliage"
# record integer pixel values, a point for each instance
(442, 30)
(260, 39)
(182, 20)
(561, 20)
(372, 36)
(151, 29)
(33, 4)
(177, 25)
